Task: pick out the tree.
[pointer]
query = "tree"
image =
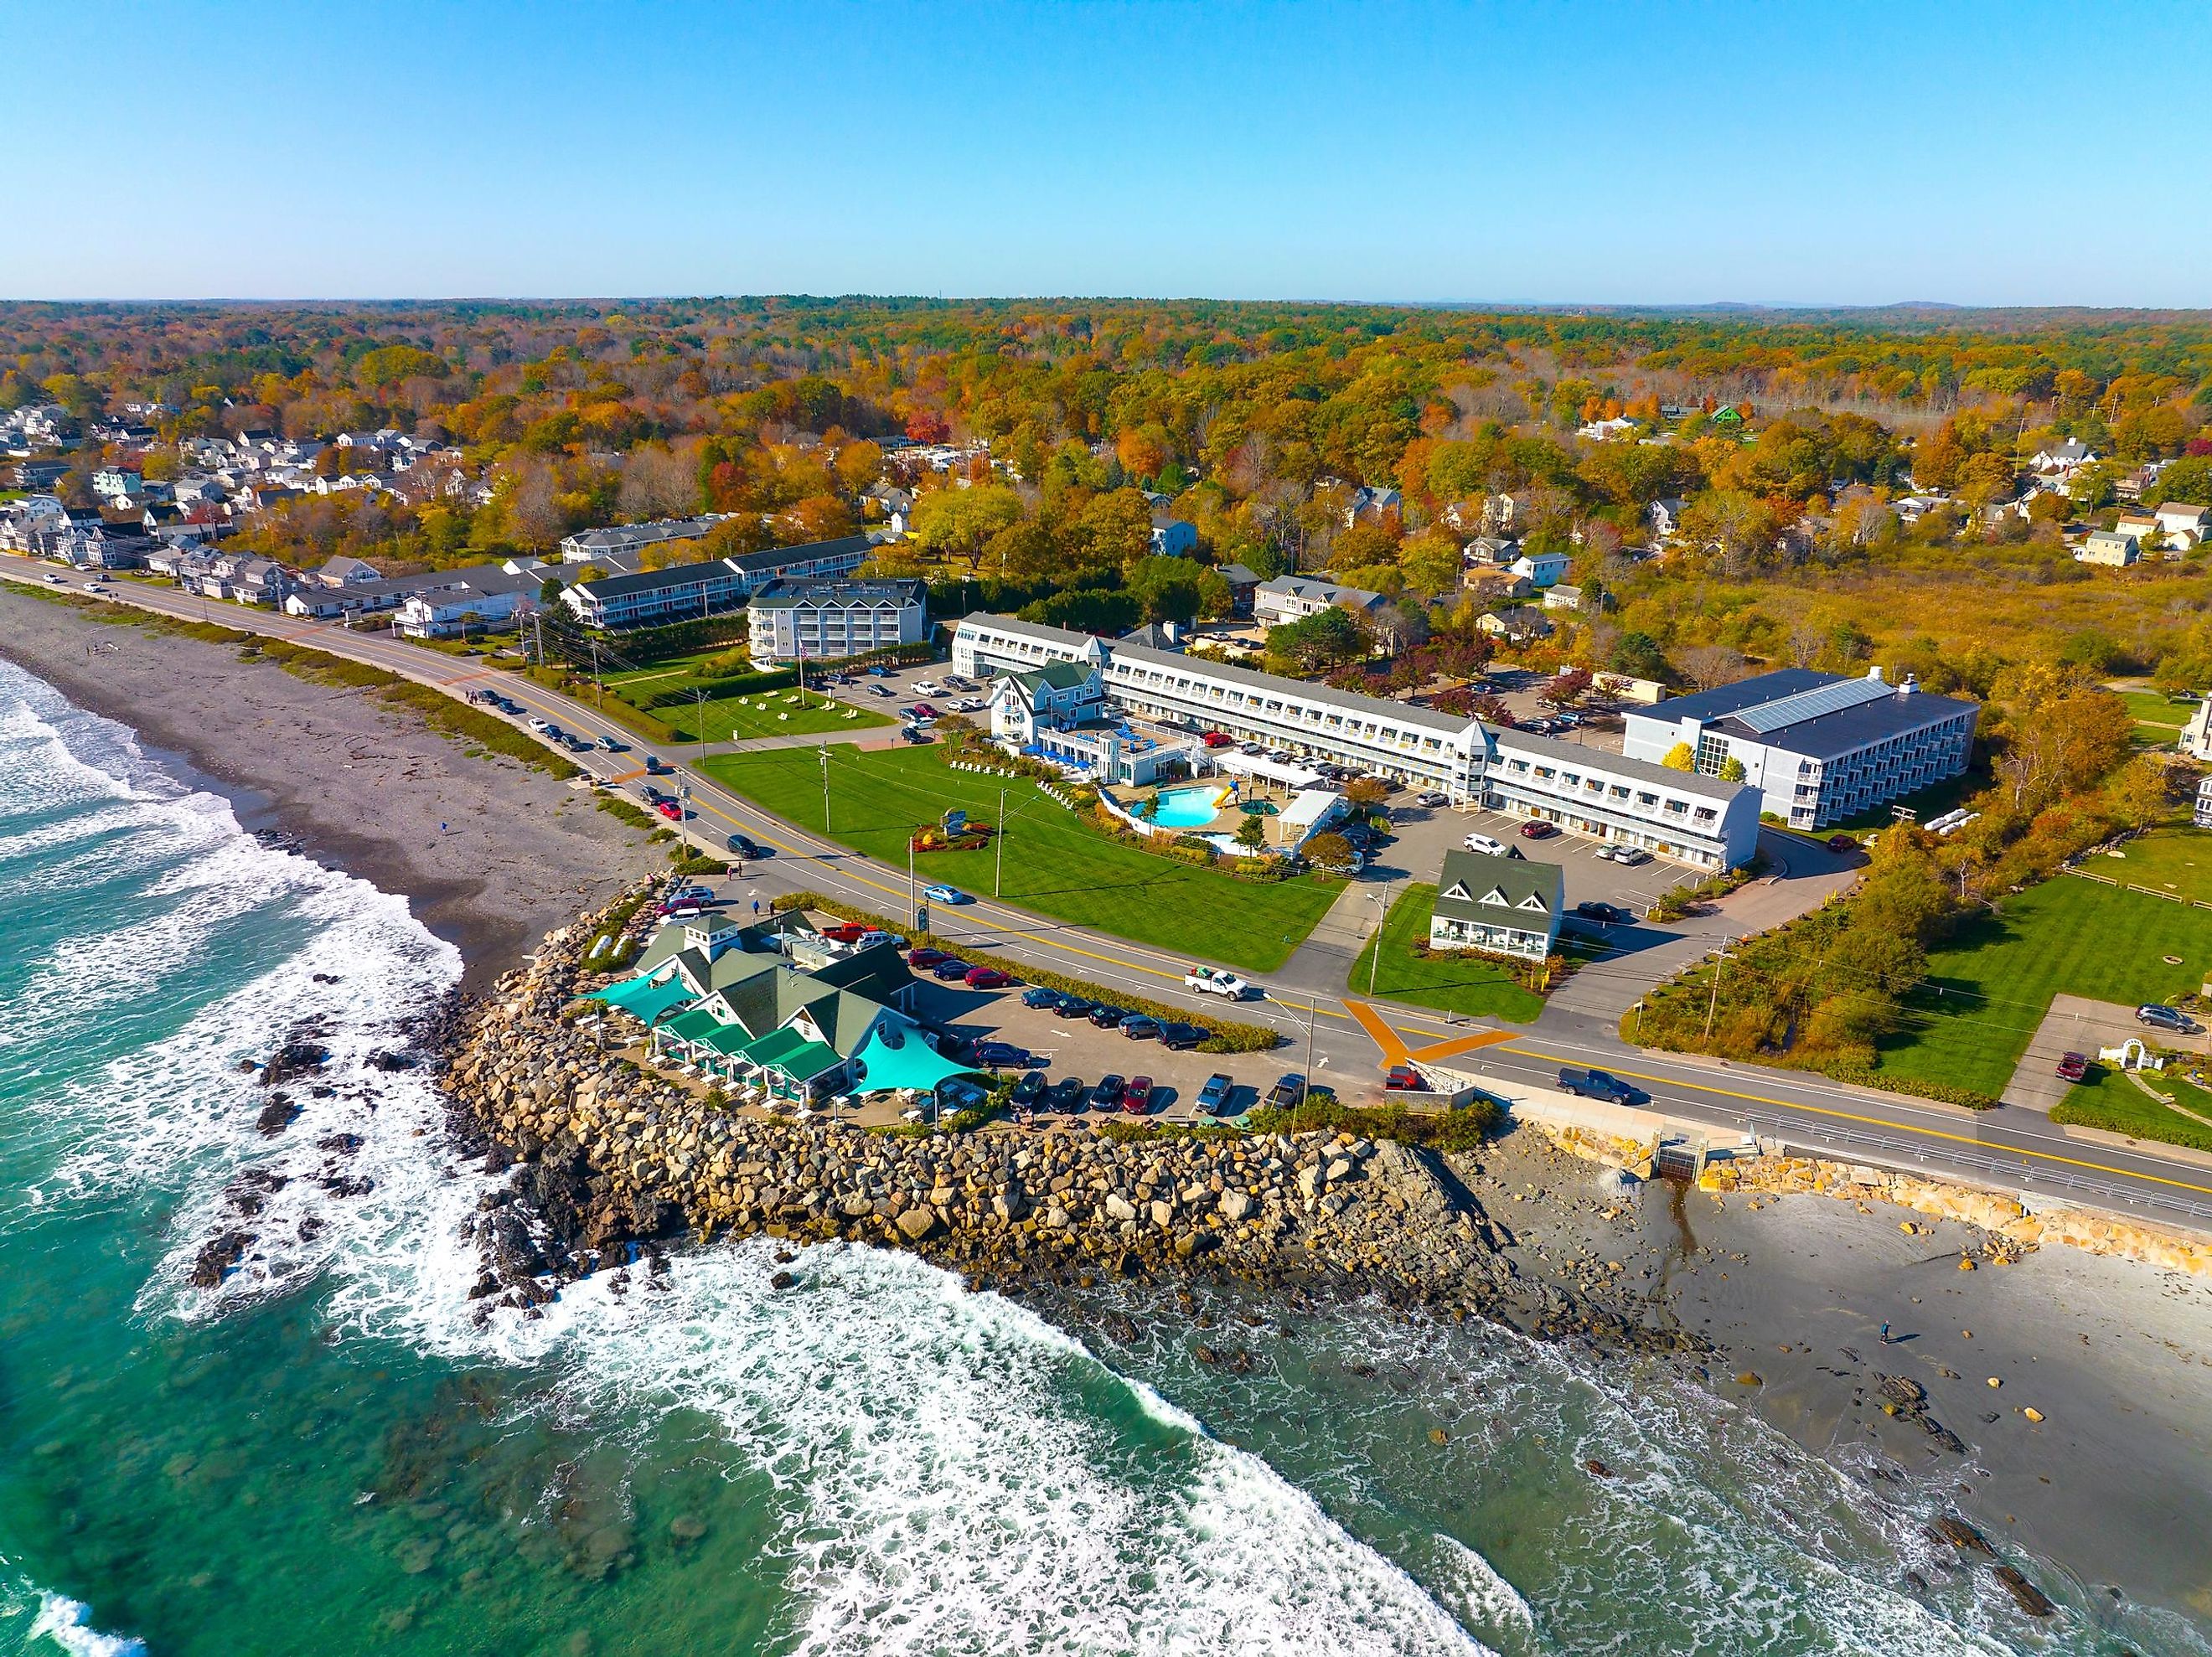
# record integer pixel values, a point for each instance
(1329, 638)
(1365, 794)
(1570, 687)
(1709, 666)
(1731, 770)
(1252, 833)
(2140, 794)
(1681, 757)
(959, 523)
(1330, 851)
(1116, 530)
(1638, 656)
(1431, 563)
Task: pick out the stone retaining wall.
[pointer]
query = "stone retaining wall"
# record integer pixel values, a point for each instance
(2002, 1217)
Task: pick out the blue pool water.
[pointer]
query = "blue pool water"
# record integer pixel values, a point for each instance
(1187, 808)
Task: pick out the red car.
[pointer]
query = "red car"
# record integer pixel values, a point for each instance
(1842, 843)
(1137, 1097)
(1219, 739)
(1402, 1079)
(845, 932)
(987, 977)
(2073, 1067)
(669, 809)
(1537, 831)
(924, 958)
(924, 711)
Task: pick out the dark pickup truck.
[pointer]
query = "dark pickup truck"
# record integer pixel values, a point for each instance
(1596, 1084)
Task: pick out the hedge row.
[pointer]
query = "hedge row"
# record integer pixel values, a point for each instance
(1229, 1036)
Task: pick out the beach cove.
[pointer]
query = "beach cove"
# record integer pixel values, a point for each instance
(875, 1456)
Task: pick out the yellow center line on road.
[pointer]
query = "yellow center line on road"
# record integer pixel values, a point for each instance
(1882, 1122)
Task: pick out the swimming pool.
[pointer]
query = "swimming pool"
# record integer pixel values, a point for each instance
(1187, 808)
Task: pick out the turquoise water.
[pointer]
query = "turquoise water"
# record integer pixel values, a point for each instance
(1187, 808)
(325, 1454)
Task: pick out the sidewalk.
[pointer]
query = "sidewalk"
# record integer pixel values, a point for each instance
(1323, 961)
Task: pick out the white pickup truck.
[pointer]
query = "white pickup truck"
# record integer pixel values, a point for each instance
(1213, 981)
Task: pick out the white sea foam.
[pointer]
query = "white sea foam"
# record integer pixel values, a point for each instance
(67, 1622)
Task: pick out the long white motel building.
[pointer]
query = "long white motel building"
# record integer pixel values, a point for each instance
(1692, 819)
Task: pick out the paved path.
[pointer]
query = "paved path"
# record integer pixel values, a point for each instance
(1320, 964)
(2014, 1148)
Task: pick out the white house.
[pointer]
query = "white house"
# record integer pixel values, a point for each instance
(1542, 569)
(1294, 598)
(819, 621)
(1667, 518)
(2063, 459)
(2111, 548)
(2183, 525)
(2197, 739)
(2204, 804)
(1172, 536)
(1505, 906)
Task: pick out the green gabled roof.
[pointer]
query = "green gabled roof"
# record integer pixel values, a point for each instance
(790, 1051)
(1480, 886)
(694, 1025)
(726, 1040)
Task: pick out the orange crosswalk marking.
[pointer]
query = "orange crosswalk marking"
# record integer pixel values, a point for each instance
(1394, 1048)
(1438, 1052)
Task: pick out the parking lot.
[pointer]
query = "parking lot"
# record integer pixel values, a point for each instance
(1073, 1046)
(869, 691)
(1424, 834)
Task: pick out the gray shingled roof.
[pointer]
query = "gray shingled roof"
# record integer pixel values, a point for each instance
(1554, 752)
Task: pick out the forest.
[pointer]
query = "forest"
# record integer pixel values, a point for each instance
(1790, 438)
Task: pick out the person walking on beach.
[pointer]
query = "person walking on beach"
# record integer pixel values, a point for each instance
(756, 905)
(1885, 1334)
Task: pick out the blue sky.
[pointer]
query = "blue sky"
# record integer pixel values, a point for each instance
(1653, 153)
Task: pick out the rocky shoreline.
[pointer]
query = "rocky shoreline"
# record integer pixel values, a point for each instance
(609, 1166)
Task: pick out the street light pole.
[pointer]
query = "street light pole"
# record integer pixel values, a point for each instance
(1713, 1006)
(1382, 918)
(824, 752)
(998, 846)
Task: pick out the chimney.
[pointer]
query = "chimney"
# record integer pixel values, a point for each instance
(1911, 685)
(1874, 673)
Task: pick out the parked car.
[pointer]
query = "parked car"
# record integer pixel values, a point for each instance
(1107, 1096)
(1289, 1092)
(1214, 1095)
(921, 711)
(1137, 1097)
(576, 744)
(2073, 1066)
(951, 895)
(878, 671)
(1219, 739)
(669, 809)
(924, 958)
(1029, 1092)
(880, 689)
(1002, 1055)
(1174, 1033)
(693, 895)
(1067, 1094)
(1538, 829)
(1072, 1006)
(1433, 799)
(914, 733)
(987, 977)
(540, 724)
(950, 968)
(1606, 914)
(925, 687)
(1403, 1079)
(844, 931)
(1485, 845)
(1211, 980)
(1037, 996)
(1631, 856)
(1597, 1084)
(2167, 1018)
(873, 936)
(1106, 1014)
(743, 847)
(1841, 843)
(1141, 1026)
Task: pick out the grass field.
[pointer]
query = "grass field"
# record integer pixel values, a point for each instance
(771, 713)
(2118, 1106)
(1989, 986)
(1055, 865)
(2178, 860)
(1477, 988)
(2158, 721)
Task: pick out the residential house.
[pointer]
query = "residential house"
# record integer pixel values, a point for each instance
(2063, 459)
(484, 598)
(2183, 525)
(1052, 697)
(1294, 598)
(1666, 517)
(1598, 431)
(1566, 598)
(1492, 587)
(1243, 583)
(1172, 537)
(2197, 738)
(1371, 506)
(588, 546)
(1499, 905)
(344, 571)
(2140, 524)
(118, 483)
(1541, 569)
(1518, 625)
(2110, 547)
(1496, 550)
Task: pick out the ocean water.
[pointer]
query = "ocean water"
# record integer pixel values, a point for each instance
(327, 1454)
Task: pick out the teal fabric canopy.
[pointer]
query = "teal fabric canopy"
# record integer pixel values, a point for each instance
(645, 1001)
(906, 1061)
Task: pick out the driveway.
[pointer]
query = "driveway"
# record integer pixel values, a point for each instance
(2077, 1024)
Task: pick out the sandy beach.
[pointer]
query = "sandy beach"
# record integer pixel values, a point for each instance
(490, 853)
(2114, 1482)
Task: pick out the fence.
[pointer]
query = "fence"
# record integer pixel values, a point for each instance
(2148, 891)
(1904, 1155)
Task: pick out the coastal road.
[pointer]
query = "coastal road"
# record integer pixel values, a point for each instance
(1322, 1031)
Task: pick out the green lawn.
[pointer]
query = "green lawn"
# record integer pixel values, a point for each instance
(2118, 1106)
(1478, 988)
(769, 713)
(2158, 721)
(1055, 865)
(2166, 859)
(1989, 986)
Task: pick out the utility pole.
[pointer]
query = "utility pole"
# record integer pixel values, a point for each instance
(823, 751)
(1713, 1006)
(1381, 917)
(913, 898)
(998, 846)
(699, 719)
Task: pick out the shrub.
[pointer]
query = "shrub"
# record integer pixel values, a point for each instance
(1438, 1130)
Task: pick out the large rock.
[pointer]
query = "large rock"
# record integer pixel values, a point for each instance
(918, 1223)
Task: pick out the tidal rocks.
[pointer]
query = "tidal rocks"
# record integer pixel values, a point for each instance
(279, 1114)
(219, 1255)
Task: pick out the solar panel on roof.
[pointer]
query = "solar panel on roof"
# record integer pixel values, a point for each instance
(1812, 704)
